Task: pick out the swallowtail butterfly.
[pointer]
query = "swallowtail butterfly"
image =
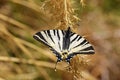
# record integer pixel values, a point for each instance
(64, 43)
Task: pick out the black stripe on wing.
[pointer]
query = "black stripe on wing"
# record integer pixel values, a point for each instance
(39, 37)
(79, 38)
(54, 32)
(87, 48)
(74, 38)
(58, 34)
(82, 43)
(49, 34)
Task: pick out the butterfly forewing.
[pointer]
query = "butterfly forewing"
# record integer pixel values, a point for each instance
(79, 45)
(52, 38)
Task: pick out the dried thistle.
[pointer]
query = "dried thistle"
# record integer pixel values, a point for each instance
(62, 12)
(77, 65)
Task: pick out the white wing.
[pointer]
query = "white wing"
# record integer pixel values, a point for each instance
(52, 38)
(79, 45)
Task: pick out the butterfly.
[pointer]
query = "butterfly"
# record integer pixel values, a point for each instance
(64, 43)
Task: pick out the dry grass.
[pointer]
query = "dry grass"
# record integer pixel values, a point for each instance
(23, 58)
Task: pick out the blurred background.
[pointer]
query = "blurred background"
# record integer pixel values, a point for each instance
(23, 58)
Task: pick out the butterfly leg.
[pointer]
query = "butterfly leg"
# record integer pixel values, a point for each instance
(58, 60)
(68, 61)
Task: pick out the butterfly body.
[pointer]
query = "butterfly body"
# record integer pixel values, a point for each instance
(64, 43)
